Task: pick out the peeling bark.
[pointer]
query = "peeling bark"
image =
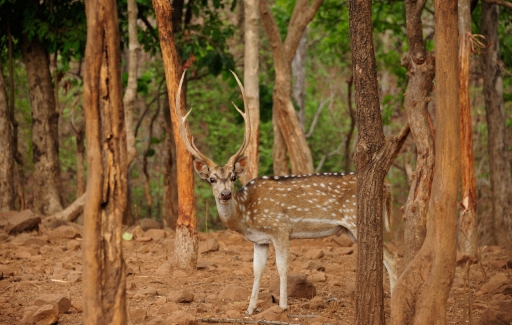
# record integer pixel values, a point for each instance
(104, 290)
(186, 234)
(421, 292)
(47, 188)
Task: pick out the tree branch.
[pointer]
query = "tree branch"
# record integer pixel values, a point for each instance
(503, 3)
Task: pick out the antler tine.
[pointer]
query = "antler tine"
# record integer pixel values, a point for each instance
(247, 122)
(191, 147)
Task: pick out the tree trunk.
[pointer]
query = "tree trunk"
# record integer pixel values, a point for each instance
(501, 182)
(299, 79)
(350, 133)
(7, 195)
(186, 234)
(47, 186)
(468, 236)
(104, 289)
(374, 155)
(283, 53)
(422, 291)
(130, 94)
(252, 86)
(421, 70)
(71, 213)
(170, 190)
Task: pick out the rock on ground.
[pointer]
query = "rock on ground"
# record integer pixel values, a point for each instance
(14, 222)
(298, 287)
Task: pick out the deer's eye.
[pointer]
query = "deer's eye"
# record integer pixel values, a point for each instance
(233, 178)
(212, 180)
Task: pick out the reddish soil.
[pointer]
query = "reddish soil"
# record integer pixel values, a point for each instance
(37, 263)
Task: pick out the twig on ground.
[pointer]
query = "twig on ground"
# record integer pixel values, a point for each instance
(242, 321)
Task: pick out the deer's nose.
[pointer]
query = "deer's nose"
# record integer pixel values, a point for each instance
(225, 195)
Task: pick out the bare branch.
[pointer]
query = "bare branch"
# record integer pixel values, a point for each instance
(242, 321)
(317, 114)
(503, 3)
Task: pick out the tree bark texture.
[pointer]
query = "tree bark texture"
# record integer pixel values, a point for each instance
(170, 190)
(373, 157)
(468, 234)
(299, 79)
(501, 182)
(186, 234)
(288, 122)
(104, 289)
(7, 194)
(350, 133)
(420, 67)
(71, 213)
(130, 94)
(421, 292)
(47, 186)
(252, 86)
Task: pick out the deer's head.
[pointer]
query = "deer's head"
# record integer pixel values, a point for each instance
(221, 178)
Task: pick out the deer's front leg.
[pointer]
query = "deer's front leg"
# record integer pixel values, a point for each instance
(282, 252)
(259, 261)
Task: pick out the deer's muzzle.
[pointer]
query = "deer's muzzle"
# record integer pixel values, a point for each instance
(225, 196)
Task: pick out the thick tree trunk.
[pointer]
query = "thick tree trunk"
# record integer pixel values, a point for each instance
(252, 86)
(292, 133)
(130, 94)
(501, 180)
(468, 235)
(47, 186)
(170, 190)
(186, 234)
(422, 291)
(104, 289)
(421, 68)
(7, 194)
(350, 133)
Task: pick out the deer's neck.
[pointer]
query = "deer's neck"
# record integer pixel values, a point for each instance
(231, 215)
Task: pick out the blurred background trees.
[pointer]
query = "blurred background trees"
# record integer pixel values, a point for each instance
(43, 87)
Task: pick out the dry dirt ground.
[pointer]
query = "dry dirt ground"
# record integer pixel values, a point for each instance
(49, 261)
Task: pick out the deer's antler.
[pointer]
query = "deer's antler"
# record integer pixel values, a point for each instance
(247, 122)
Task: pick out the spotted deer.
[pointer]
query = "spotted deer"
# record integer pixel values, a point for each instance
(279, 208)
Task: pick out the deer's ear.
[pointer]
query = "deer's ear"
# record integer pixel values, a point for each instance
(241, 165)
(201, 168)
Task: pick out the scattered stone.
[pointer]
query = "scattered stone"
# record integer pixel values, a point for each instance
(203, 308)
(210, 245)
(164, 269)
(314, 254)
(73, 245)
(161, 301)
(234, 293)
(315, 303)
(159, 321)
(74, 276)
(138, 315)
(180, 274)
(143, 239)
(203, 265)
(318, 277)
(346, 251)
(27, 315)
(137, 231)
(149, 291)
(497, 281)
(59, 274)
(298, 287)
(180, 317)
(35, 241)
(15, 222)
(233, 313)
(312, 265)
(274, 313)
(181, 296)
(64, 232)
(148, 223)
(7, 270)
(343, 241)
(45, 315)
(143, 249)
(60, 302)
(168, 308)
(155, 234)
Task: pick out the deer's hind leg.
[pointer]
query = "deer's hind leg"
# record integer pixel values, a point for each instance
(259, 261)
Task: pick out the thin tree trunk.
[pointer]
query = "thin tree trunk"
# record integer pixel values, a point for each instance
(7, 195)
(186, 243)
(47, 186)
(299, 79)
(104, 290)
(468, 236)
(421, 70)
(374, 155)
(501, 180)
(170, 190)
(19, 175)
(279, 158)
(130, 94)
(252, 86)
(422, 291)
(283, 52)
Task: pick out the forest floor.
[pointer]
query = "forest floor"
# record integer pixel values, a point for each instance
(49, 262)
